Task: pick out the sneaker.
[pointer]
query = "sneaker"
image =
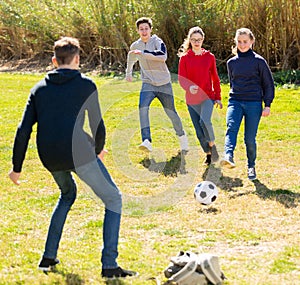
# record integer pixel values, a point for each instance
(214, 153)
(117, 273)
(47, 264)
(251, 173)
(207, 161)
(227, 161)
(184, 145)
(146, 145)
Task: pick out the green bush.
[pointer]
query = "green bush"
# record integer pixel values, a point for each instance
(287, 77)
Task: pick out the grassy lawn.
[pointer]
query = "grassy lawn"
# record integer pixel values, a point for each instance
(252, 226)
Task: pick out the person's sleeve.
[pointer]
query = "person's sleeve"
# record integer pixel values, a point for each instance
(215, 79)
(229, 74)
(23, 135)
(267, 83)
(96, 123)
(159, 54)
(131, 60)
(182, 75)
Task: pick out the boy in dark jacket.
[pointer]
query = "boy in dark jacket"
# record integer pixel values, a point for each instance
(58, 105)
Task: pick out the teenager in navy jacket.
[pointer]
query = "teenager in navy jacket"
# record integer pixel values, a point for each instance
(58, 104)
(251, 87)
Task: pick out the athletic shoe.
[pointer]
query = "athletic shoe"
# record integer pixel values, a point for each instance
(214, 153)
(146, 146)
(47, 264)
(117, 273)
(207, 161)
(227, 161)
(184, 145)
(251, 173)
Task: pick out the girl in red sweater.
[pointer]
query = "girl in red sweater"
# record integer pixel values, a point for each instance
(199, 78)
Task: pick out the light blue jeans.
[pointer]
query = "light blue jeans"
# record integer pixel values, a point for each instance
(251, 112)
(201, 119)
(96, 176)
(164, 94)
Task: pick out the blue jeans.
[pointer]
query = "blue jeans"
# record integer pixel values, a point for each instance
(251, 112)
(201, 119)
(96, 176)
(164, 94)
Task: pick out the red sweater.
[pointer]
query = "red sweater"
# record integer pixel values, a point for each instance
(200, 70)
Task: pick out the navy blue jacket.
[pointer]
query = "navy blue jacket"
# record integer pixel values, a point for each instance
(58, 104)
(250, 78)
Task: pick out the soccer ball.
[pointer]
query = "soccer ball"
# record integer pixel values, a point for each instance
(205, 192)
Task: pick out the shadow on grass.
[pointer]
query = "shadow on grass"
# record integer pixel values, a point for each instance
(168, 168)
(75, 279)
(209, 210)
(115, 282)
(214, 174)
(285, 197)
(70, 278)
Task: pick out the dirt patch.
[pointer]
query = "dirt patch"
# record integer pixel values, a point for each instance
(40, 65)
(26, 65)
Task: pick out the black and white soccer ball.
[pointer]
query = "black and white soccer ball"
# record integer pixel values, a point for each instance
(205, 192)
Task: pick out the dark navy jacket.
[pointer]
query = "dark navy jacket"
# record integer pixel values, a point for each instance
(250, 78)
(59, 104)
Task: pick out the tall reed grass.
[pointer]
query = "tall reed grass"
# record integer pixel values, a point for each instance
(106, 28)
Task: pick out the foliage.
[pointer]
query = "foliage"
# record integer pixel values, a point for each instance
(287, 77)
(106, 28)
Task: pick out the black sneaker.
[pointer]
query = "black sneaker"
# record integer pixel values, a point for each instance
(214, 153)
(117, 273)
(251, 173)
(207, 161)
(47, 264)
(227, 161)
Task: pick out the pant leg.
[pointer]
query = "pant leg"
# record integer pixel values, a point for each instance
(146, 97)
(67, 197)
(234, 118)
(111, 229)
(97, 177)
(165, 95)
(205, 119)
(253, 111)
(194, 111)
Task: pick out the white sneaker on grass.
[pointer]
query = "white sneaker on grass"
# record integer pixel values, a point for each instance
(184, 145)
(227, 161)
(146, 146)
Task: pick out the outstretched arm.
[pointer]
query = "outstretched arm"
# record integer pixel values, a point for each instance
(131, 60)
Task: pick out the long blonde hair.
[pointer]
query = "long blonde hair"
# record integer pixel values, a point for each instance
(239, 32)
(187, 43)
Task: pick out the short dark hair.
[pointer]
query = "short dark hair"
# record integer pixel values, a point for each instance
(65, 49)
(143, 20)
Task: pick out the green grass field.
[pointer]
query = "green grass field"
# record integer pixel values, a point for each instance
(252, 226)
